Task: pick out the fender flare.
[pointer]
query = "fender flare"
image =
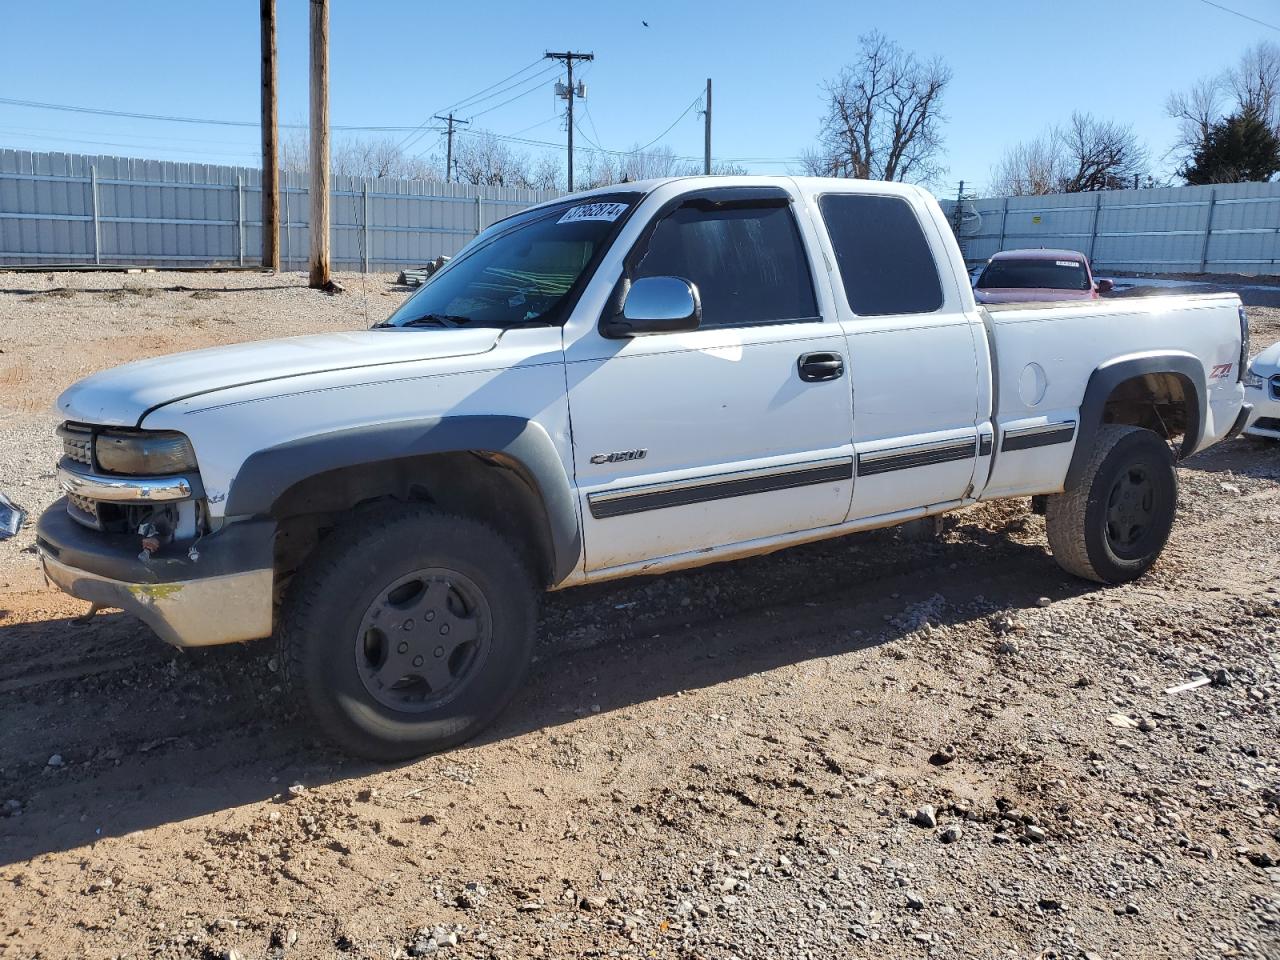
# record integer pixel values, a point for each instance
(266, 475)
(1185, 366)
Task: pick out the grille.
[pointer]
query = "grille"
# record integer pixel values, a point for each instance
(1267, 423)
(83, 510)
(77, 443)
(1275, 387)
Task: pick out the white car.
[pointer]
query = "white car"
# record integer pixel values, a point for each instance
(640, 379)
(1262, 390)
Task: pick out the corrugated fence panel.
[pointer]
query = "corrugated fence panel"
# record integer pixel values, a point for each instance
(1227, 228)
(163, 213)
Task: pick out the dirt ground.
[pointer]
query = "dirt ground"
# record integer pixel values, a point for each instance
(888, 745)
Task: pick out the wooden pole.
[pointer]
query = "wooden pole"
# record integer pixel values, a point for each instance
(320, 267)
(270, 143)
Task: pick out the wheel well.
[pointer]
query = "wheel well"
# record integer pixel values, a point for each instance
(1162, 402)
(489, 487)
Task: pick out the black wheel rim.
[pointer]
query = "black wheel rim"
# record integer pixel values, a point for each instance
(422, 640)
(1131, 510)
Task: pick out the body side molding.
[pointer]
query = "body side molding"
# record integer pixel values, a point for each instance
(916, 455)
(1027, 438)
(703, 490)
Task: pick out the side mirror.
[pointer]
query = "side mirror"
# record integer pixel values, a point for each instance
(1105, 286)
(657, 305)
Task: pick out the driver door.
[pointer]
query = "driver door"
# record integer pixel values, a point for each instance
(719, 435)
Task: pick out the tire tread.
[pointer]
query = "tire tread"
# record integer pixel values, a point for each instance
(1065, 512)
(316, 577)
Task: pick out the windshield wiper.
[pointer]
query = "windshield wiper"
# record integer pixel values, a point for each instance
(428, 320)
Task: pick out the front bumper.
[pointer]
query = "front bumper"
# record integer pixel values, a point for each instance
(1265, 418)
(224, 595)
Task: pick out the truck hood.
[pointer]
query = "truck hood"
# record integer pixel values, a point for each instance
(122, 395)
(1267, 363)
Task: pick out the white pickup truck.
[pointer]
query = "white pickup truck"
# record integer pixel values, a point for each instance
(630, 381)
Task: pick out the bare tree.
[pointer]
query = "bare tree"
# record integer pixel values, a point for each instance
(294, 151)
(381, 157)
(1196, 110)
(1084, 155)
(883, 118)
(481, 158)
(1253, 84)
(1029, 169)
(1100, 155)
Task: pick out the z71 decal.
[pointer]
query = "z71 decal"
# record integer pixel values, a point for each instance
(1221, 371)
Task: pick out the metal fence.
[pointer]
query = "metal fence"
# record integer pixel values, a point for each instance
(1227, 228)
(58, 208)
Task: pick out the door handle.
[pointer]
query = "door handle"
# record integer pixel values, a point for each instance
(816, 367)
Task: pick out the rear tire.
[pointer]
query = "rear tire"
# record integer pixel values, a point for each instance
(407, 631)
(1113, 526)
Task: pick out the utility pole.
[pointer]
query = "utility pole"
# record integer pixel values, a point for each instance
(320, 276)
(270, 147)
(706, 150)
(448, 159)
(567, 58)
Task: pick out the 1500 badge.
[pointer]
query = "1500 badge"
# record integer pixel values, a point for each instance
(621, 456)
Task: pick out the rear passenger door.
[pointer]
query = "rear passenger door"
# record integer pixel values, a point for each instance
(736, 431)
(912, 353)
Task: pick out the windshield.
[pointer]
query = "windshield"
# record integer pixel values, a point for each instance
(519, 271)
(1034, 274)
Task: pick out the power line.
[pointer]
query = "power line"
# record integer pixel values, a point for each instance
(592, 120)
(102, 112)
(247, 153)
(513, 138)
(683, 114)
(411, 138)
(1242, 16)
(465, 100)
(535, 78)
(533, 89)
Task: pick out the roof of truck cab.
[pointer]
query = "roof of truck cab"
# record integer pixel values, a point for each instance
(699, 181)
(1039, 253)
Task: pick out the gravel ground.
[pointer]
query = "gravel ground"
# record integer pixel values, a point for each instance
(887, 745)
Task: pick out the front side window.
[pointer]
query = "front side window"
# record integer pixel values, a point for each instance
(884, 259)
(1034, 274)
(748, 262)
(521, 270)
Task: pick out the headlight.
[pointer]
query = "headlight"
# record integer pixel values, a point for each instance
(139, 454)
(1252, 379)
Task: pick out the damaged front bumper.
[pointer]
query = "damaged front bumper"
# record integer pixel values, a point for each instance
(220, 593)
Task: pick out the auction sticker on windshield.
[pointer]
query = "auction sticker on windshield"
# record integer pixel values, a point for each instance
(593, 211)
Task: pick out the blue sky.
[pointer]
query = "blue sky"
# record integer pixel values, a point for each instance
(1018, 67)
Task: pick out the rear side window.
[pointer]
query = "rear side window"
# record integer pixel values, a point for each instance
(748, 263)
(884, 259)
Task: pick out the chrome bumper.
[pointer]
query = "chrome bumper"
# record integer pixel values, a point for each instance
(186, 613)
(123, 489)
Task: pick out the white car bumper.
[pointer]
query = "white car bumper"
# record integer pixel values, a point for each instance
(1265, 419)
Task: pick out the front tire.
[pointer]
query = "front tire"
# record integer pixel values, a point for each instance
(407, 631)
(1113, 526)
